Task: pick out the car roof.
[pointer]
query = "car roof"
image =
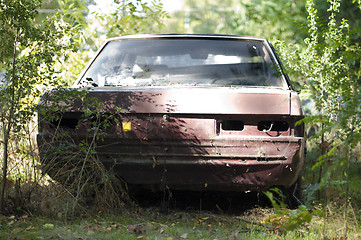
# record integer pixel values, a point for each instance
(188, 35)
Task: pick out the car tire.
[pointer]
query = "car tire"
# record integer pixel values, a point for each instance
(293, 194)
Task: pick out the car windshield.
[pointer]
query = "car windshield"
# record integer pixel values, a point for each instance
(184, 62)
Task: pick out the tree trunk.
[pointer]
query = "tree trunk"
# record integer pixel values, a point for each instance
(7, 120)
(4, 173)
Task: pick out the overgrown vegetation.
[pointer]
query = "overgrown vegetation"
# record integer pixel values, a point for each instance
(256, 223)
(35, 57)
(329, 70)
(73, 162)
(28, 58)
(325, 67)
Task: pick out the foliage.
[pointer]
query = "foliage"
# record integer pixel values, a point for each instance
(209, 16)
(285, 219)
(71, 160)
(286, 20)
(74, 11)
(133, 17)
(28, 59)
(275, 20)
(270, 19)
(330, 70)
(330, 73)
(347, 10)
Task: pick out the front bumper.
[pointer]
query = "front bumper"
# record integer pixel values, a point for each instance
(220, 164)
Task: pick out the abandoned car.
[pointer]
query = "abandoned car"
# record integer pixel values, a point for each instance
(194, 112)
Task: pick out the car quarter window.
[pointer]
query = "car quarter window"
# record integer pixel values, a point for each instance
(185, 62)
